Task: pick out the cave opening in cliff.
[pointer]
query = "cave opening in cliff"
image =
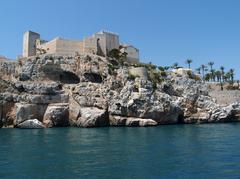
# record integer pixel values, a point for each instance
(93, 77)
(180, 119)
(67, 77)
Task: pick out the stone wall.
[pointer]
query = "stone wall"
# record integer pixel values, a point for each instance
(139, 71)
(132, 53)
(29, 43)
(69, 47)
(90, 45)
(60, 46)
(226, 97)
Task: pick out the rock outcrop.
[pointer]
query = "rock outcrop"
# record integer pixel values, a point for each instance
(31, 124)
(92, 117)
(56, 115)
(93, 91)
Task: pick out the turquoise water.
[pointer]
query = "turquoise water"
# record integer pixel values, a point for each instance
(171, 151)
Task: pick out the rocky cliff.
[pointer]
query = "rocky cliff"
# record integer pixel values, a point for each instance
(92, 91)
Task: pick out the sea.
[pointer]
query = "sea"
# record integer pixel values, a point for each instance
(166, 151)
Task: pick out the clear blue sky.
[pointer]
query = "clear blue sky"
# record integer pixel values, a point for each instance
(165, 31)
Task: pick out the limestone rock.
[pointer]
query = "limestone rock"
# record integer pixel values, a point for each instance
(85, 90)
(144, 103)
(93, 117)
(131, 121)
(49, 88)
(57, 115)
(31, 124)
(74, 111)
(29, 111)
(117, 120)
(199, 117)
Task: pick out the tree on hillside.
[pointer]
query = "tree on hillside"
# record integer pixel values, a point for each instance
(198, 70)
(231, 73)
(211, 63)
(175, 65)
(218, 74)
(213, 75)
(207, 77)
(166, 68)
(189, 61)
(227, 76)
(161, 68)
(222, 72)
(114, 53)
(204, 69)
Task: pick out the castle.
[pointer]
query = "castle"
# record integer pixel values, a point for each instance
(100, 43)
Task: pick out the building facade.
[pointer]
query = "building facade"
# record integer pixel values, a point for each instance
(100, 43)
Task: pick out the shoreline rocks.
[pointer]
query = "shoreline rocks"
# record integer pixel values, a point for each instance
(50, 91)
(31, 124)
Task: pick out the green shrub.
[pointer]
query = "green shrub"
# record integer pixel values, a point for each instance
(111, 69)
(231, 87)
(132, 77)
(163, 73)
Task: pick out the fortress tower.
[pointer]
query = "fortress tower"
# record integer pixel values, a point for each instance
(29, 43)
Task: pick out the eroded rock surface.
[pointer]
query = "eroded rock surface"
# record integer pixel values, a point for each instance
(93, 91)
(31, 124)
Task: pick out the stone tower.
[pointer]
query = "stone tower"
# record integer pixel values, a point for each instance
(29, 43)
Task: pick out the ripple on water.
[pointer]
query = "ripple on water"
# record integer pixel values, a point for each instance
(171, 151)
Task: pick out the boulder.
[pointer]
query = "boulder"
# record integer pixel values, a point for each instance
(31, 124)
(92, 117)
(131, 121)
(199, 117)
(7, 113)
(117, 120)
(74, 111)
(29, 111)
(56, 115)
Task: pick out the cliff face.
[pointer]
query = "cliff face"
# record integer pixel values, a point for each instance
(91, 91)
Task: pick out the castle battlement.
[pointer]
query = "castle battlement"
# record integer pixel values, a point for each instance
(100, 43)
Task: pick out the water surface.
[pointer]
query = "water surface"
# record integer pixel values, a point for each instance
(170, 151)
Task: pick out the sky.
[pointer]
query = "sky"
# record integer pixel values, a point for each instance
(165, 31)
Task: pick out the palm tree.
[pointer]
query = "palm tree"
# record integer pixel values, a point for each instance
(227, 76)
(231, 73)
(222, 71)
(207, 76)
(166, 68)
(203, 68)
(161, 68)
(189, 61)
(211, 63)
(175, 65)
(213, 75)
(218, 74)
(198, 70)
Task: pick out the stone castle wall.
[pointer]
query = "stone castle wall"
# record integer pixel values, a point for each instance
(139, 71)
(29, 43)
(60, 46)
